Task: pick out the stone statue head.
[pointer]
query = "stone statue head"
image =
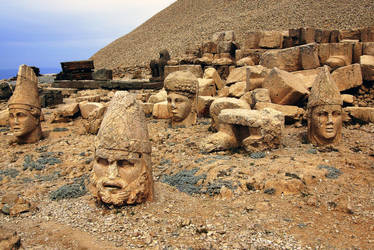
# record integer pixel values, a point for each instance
(181, 87)
(24, 107)
(122, 172)
(324, 111)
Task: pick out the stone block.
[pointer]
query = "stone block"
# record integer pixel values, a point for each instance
(160, 110)
(343, 50)
(257, 130)
(255, 76)
(347, 77)
(334, 36)
(322, 36)
(68, 110)
(307, 35)
(237, 75)
(203, 105)
(246, 61)
(90, 98)
(211, 73)
(291, 113)
(224, 92)
(50, 97)
(160, 96)
(365, 114)
(9, 239)
(309, 56)
(87, 107)
(251, 40)
(350, 34)
(367, 34)
(223, 59)
(207, 87)
(255, 54)
(285, 88)
(209, 47)
(93, 121)
(284, 59)
(368, 48)
(4, 117)
(102, 75)
(367, 67)
(207, 59)
(347, 98)
(271, 40)
(194, 69)
(228, 35)
(225, 47)
(225, 103)
(238, 89)
(260, 95)
(307, 76)
(295, 35)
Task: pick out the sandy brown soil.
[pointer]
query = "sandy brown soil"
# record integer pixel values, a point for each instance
(283, 200)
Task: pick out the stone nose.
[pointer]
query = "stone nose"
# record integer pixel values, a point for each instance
(112, 170)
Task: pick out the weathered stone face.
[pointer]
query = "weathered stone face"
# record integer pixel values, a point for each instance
(122, 171)
(325, 124)
(122, 178)
(24, 107)
(179, 106)
(23, 123)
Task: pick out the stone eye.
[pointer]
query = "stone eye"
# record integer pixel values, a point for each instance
(102, 161)
(122, 163)
(336, 113)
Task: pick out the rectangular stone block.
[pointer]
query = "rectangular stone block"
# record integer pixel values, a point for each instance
(307, 35)
(367, 34)
(326, 50)
(365, 114)
(367, 67)
(322, 36)
(284, 59)
(295, 35)
(255, 76)
(307, 76)
(4, 117)
(209, 47)
(194, 69)
(251, 40)
(285, 88)
(271, 40)
(350, 34)
(368, 48)
(309, 56)
(347, 77)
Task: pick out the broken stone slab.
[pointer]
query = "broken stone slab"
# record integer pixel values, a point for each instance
(90, 98)
(222, 59)
(238, 89)
(259, 95)
(347, 77)
(367, 67)
(148, 108)
(209, 47)
(291, 113)
(285, 88)
(365, 114)
(203, 105)
(349, 34)
(160, 110)
(207, 87)
(87, 107)
(258, 130)
(228, 35)
(246, 61)
(194, 69)
(93, 121)
(160, 96)
(225, 103)
(284, 59)
(14, 204)
(224, 92)
(308, 76)
(65, 112)
(211, 73)
(309, 56)
(255, 76)
(271, 40)
(4, 117)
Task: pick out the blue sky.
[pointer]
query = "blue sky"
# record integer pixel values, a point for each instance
(44, 33)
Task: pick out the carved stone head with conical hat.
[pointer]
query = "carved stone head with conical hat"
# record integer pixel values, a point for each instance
(24, 107)
(324, 111)
(122, 172)
(181, 87)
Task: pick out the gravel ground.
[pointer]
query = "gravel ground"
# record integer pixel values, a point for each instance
(189, 22)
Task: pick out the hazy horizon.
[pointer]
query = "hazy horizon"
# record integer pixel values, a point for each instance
(44, 33)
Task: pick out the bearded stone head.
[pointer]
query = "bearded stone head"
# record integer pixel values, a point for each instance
(122, 171)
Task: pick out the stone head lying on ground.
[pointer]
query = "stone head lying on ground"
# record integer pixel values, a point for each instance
(122, 172)
(24, 107)
(181, 88)
(324, 111)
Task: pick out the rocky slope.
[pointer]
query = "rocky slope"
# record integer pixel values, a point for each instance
(188, 22)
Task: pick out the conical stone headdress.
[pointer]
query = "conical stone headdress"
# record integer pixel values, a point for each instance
(26, 94)
(324, 90)
(124, 127)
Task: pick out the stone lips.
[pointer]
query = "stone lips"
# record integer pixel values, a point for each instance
(124, 127)
(181, 82)
(26, 94)
(324, 90)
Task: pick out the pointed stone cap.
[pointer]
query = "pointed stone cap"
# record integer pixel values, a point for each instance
(182, 82)
(26, 93)
(324, 90)
(124, 127)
